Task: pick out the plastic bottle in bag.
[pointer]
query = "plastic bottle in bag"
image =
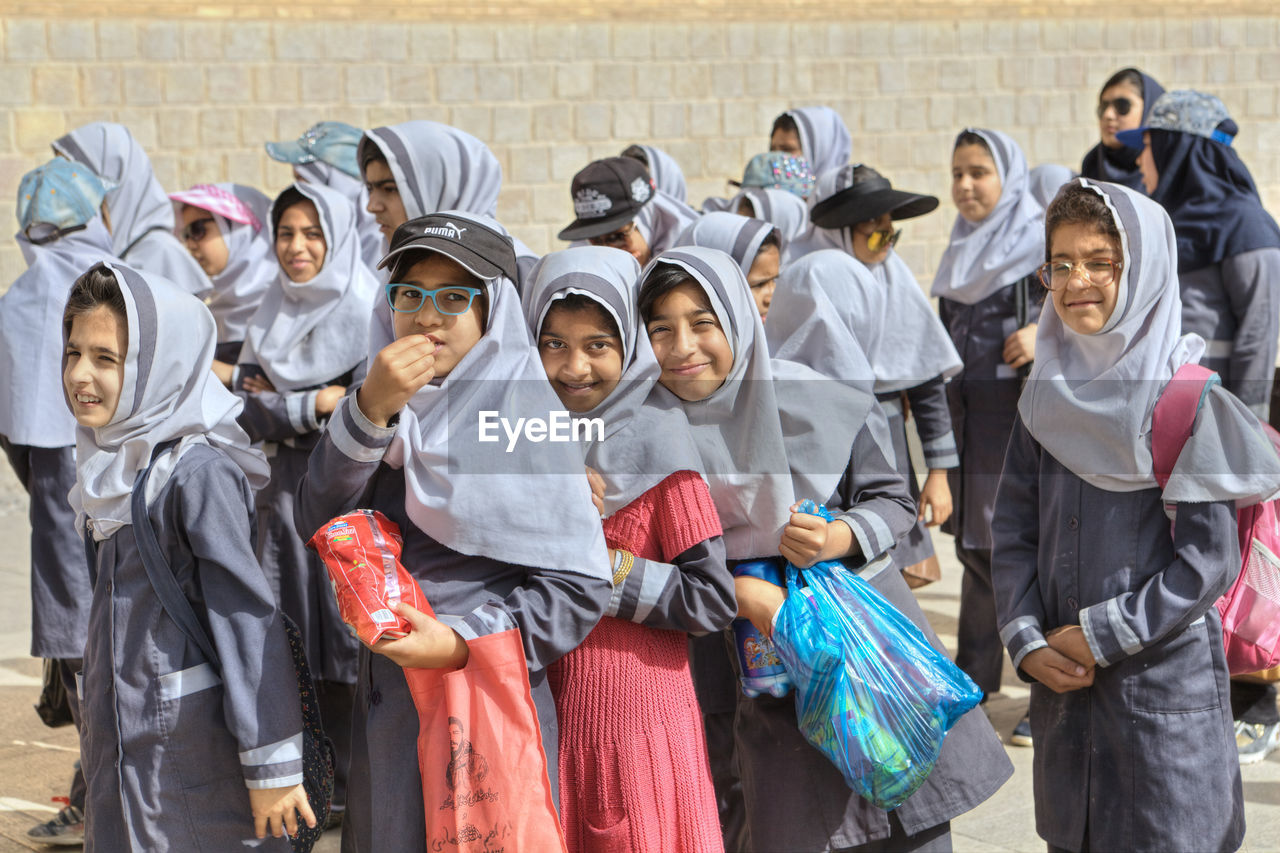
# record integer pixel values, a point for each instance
(762, 670)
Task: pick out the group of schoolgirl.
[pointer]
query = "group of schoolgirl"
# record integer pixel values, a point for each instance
(308, 388)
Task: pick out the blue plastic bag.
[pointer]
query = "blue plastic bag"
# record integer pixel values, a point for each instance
(871, 693)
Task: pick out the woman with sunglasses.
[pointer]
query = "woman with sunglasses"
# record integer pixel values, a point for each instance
(304, 346)
(224, 228)
(1123, 104)
(859, 278)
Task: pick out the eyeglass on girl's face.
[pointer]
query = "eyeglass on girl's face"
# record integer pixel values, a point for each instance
(450, 301)
(614, 239)
(1122, 106)
(1099, 272)
(886, 238)
(196, 230)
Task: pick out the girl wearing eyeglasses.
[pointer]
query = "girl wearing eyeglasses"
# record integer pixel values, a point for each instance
(1104, 605)
(989, 300)
(304, 346)
(496, 539)
(1123, 104)
(224, 227)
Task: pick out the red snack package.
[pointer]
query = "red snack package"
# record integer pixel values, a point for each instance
(361, 551)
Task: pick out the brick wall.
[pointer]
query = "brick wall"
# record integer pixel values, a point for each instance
(202, 86)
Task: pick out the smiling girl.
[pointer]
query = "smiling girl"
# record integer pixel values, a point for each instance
(303, 347)
(769, 432)
(495, 539)
(633, 762)
(1110, 616)
(178, 754)
(989, 300)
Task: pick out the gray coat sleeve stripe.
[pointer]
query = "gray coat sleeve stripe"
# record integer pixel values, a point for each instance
(1008, 632)
(1026, 650)
(301, 407)
(861, 531)
(357, 440)
(282, 781)
(882, 537)
(289, 749)
(1087, 616)
(652, 583)
(1124, 634)
(184, 682)
(945, 443)
(488, 618)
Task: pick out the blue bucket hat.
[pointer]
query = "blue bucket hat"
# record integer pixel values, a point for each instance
(1186, 111)
(777, 170)
(58, 197)
(332, 142)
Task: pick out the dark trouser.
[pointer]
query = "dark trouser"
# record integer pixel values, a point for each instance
(717, 689)
(68, 668)
(336, 699)
(935, 839)
(1254, 703)
(979, 651)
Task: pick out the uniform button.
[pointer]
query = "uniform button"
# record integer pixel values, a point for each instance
(375, 698)
(1073, 604)
(1073, 523)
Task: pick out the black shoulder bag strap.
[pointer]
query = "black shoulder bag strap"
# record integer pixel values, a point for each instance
(171, 596)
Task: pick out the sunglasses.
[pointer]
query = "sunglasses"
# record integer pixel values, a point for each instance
(196, 231)
(614, 239)
(450, 301)
(1122, 106)
(888, 238)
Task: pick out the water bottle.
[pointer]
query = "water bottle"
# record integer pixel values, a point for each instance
(762, 670)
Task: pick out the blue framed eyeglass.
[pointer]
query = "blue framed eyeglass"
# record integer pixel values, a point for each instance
(451, 301)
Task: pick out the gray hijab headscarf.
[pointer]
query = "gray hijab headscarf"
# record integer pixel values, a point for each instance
(302, 334)
(824, 137)
(737, 236)
(1090, 398)
(644, 442)
(665, 171)
(33, 409)
(169, 392)
(372, 246)
(783, 209)
(529, 506)
(140, 211)
(903, 339)
(1009, 244)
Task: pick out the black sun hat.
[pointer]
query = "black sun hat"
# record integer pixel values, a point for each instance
(864, 194)
(482, 251)
(607, 194)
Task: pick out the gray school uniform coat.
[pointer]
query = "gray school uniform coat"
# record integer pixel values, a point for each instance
(984, 401)
(929, 410)
(797, 799)
(287, 423)
(1235, 306)
(168, 744)
(60, 589)
(475, 596)
(1145, 759)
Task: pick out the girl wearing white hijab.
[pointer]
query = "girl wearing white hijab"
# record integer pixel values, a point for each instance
(137, 212)
(818, 133)
(989, 300)
(496, 539)
(178, 754)
(1124, 643)
(304, 346)
(663, 168)
(61, 235)
(782, 209)
(224, 226)
(755, 244)
(421, 167)
(630, 677)
(772, 431)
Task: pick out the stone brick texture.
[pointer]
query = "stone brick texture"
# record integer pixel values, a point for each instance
(551, 85)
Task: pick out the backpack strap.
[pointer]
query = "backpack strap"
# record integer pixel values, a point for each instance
(1175, 415)
(172, 598)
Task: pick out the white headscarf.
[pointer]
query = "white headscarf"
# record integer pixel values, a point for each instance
(666, 173)
(824, 139)
(251, 259)
(1089, 399)
(372, 244)
(168, 392)
(783, 209)
(438, 167)
(530, 506)
(775, 430)
(1004, 247)
(644, 443)
(887, 314)
(33, 408)
(662, 220)
(1045, 181)
(304, 335)
(739, 237)
(140, 211)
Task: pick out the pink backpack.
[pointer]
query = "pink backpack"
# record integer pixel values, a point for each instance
(1251, 608)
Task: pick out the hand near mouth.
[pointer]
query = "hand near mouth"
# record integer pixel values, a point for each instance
(398, 372)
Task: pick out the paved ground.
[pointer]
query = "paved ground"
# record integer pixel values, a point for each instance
(35, 761)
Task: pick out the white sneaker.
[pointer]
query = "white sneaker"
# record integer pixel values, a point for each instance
(1255, 741)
